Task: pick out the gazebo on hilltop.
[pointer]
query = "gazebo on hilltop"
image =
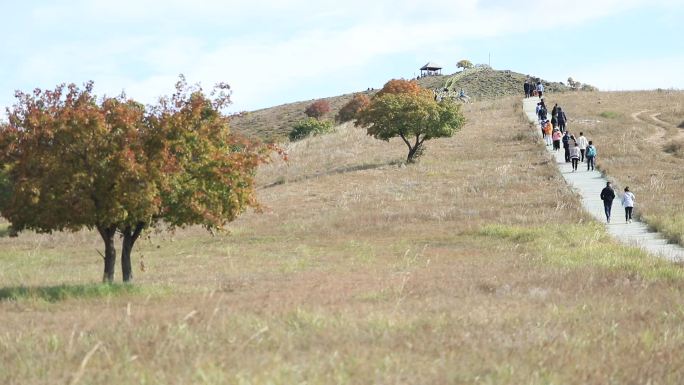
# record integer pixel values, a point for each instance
(430, 69)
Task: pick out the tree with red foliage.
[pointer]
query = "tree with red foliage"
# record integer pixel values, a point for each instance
(351, 109)
(317, 109)
(69, 161)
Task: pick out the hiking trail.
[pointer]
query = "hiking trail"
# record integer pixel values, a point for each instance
(588, 184)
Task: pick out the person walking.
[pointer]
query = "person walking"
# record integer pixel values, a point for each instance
(527, 87)
(574, 156)
(543, 114)
(561, 118)
(583, 143)
(591, 156)
(556, 136)
(540, 89)
(566, 146)
(628, 203)
(548, 130)
(607, 196)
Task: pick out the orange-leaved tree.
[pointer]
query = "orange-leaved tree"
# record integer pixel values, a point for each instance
(317, 109)
(402, 110)
(401, 86)
(348, 111)
(72, 161)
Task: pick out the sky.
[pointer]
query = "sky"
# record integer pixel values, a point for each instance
(274, 52)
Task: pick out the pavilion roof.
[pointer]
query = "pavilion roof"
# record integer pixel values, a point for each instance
(431, 67)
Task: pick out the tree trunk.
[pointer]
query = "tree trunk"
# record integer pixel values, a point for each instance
(107, 234)
(130, 235)
(411, 154)
(413, 150)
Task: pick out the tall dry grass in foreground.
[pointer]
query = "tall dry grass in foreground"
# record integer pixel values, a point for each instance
(476, 265)
(640, 139)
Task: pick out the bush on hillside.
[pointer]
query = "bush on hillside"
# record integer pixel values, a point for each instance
(310, 127)
(675, 148)
(349, 111)
(317, 109)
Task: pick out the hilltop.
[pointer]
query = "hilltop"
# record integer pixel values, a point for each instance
(482, 83)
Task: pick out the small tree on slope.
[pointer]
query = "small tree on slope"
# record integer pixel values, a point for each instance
(465, 64)
(317, 109)
(411, 114)
(72, 162)
(351, 109)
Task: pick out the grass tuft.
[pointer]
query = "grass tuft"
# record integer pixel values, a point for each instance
(64, 292)
(585, 245)
(609, 114)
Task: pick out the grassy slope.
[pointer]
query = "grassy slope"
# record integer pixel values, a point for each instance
(474, 266)
(273, 124)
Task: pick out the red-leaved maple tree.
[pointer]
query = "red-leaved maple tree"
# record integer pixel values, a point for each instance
(70, 161)
(317, 109)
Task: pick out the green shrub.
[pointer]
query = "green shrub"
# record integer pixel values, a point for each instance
(310, 127)
(609, 114)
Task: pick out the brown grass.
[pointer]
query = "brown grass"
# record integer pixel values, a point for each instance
(476, 265)
(640, 147)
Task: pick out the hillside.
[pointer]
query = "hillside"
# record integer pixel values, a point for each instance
(273, 124)
(473, 266)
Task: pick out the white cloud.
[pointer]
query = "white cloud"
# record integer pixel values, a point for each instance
(644, 74)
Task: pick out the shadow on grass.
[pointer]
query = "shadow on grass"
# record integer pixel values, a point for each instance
(64, 292)
(337, 171)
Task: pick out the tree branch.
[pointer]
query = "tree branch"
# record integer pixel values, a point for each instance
(405, 140)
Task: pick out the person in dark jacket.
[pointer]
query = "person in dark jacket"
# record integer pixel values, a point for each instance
(527, 89)
(566, 146)
(542, 113)
(607, 196)
(562, 119)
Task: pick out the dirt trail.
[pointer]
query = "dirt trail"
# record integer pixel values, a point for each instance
(663, 128)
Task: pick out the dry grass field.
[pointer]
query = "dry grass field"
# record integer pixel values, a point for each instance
(640, 140)
(474, 266)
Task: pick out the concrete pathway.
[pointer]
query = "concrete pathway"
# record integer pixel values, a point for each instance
(589, 184)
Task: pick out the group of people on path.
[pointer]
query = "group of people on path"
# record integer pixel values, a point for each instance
(533, 89)
(578, 149)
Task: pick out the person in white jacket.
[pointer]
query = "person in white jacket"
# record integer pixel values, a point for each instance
(582, 142)
(628, 202)
(540, 89)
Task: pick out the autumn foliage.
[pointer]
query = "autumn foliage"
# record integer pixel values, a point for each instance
(405, 110)
(317, 109)
(401, 86)
(351, 109)
(71, 161)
